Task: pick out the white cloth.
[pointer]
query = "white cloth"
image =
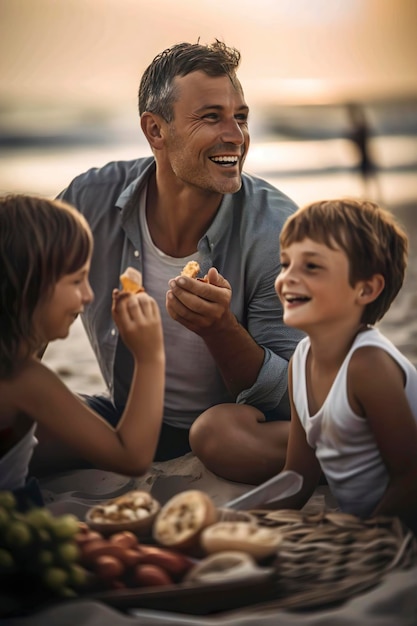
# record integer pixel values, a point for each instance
(391, 603)
(343, 441)
(14, 465)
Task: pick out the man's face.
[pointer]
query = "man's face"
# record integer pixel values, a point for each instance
(208, 139)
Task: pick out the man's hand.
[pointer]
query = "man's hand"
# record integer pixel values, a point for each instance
(202, 307)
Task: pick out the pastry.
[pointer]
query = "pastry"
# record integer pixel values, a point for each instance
(131, 280)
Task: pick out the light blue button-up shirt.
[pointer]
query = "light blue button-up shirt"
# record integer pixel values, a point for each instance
(242, 243)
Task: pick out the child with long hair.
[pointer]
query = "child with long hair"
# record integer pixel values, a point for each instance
(353, 393)
(45, 252)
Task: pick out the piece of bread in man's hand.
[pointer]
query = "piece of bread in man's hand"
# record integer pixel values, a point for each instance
(191, 269)
(131, 280)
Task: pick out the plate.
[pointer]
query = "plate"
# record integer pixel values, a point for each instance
(195, 598)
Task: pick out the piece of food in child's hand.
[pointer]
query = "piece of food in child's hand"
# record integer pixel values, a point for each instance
(131, 280)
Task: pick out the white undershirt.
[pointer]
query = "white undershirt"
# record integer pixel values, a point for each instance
(193, 382)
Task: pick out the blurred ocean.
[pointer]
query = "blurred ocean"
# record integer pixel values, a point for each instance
(309, 152)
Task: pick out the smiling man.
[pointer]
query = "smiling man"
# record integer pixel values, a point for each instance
(227, 348)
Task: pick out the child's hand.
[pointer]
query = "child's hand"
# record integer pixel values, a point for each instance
(138, 319)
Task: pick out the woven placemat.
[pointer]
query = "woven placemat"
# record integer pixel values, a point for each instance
(328, 557)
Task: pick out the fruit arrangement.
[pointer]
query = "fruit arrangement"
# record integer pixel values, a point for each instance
(186, 533)
(126, 543)
(39, 556)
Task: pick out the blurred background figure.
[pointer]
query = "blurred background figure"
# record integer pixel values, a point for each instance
(332, 88)
(361, 137)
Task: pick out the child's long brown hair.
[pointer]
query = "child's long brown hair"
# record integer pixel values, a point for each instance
(41, 240)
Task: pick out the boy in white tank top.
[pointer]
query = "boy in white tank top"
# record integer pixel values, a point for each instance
(353, 394)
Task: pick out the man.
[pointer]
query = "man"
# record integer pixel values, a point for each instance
(227, 348)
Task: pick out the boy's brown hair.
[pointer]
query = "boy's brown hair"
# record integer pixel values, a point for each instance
(369, 235)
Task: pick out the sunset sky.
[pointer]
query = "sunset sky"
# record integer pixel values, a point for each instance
(95, 50)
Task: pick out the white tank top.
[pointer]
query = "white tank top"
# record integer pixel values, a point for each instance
(14, 464)
(344, 443)
(193, 381)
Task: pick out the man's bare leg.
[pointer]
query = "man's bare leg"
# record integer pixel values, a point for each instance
(234, 442)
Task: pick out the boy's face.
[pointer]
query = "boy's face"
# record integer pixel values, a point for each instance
(314, 287)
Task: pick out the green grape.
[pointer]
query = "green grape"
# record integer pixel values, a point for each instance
(8, 500)
(40, 518)
(65, 526)
(77, 575)
(18, 535)
(7, 563)
(4, 518)
(43, 535)
(45, 558)
(68, 552)
(38, 552)
(55, 578)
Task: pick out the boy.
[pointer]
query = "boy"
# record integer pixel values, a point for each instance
(353, 394)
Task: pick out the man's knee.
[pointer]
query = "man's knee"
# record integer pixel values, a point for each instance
(203, 433)
(237, 443)
(222, 425)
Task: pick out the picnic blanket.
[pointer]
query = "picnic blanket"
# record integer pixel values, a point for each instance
(392, 601)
